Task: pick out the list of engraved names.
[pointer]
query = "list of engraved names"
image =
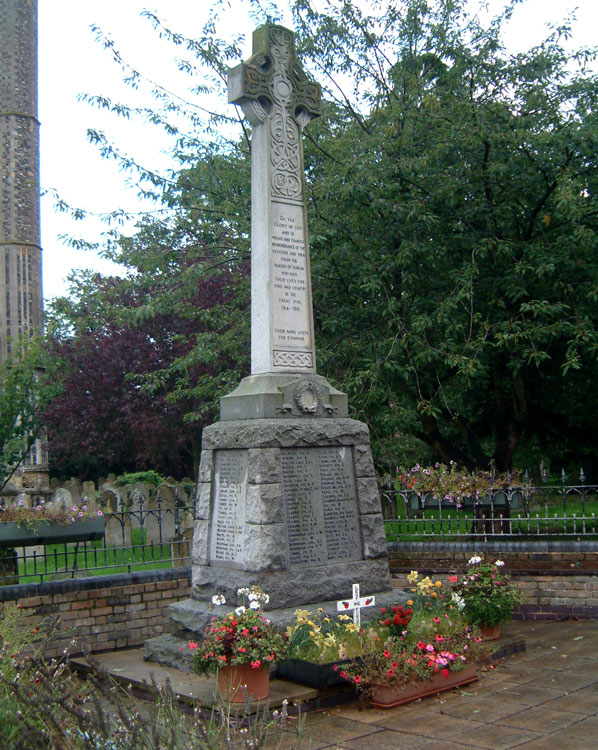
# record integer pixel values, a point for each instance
(291, 306)
(230, 488)
(320, 504)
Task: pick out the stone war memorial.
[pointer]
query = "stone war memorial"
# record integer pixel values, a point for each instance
(287, 494)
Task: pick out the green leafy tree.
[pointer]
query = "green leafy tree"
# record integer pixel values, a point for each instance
(453, 211)
(25, 390)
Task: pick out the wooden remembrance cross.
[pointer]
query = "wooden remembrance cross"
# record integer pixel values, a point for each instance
(278, 100)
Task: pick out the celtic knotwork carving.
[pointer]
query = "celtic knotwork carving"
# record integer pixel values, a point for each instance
(271, 84)
(292, 359)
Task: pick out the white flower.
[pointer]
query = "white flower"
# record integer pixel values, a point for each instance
(218, 599)
(266, 598)
(458, 600)
(252, 596)
(240, 610)
(254, 605)
(475, 560)
(499, 563)
(243, 591)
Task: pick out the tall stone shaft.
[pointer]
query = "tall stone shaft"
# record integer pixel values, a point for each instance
(20, 249)
(278, 99)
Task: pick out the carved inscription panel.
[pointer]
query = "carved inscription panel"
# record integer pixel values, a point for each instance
(228, 516)
(320, 505)
(291, 304)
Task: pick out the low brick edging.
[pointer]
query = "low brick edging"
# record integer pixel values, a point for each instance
(559, 579)
(103, 612)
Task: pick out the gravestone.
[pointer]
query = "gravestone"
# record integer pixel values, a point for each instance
(287, 496)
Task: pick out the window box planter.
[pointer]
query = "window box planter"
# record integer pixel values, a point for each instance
(388, 697)
(14, 535)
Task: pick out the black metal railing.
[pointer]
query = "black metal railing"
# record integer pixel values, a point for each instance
(148, 535)
(515, 512)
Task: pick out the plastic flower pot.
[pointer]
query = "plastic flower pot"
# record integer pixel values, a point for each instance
(383, 696)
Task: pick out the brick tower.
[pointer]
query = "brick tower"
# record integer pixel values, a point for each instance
(20, 249)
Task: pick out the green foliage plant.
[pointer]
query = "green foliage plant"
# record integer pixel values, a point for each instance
(43, 704)
(242, 636)
(150, 477)
(318, 638)
(486, 592)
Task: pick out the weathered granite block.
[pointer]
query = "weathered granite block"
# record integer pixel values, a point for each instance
(264, 503)
(202, 504)
(264, 466)
(364, 463)
(205, 465)
(199, 550)
(263, 550)
(368, 495)
(374, 536)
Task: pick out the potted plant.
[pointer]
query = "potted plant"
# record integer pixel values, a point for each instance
(488, 598)
(436, 652)
(48, 523)
(240, 647)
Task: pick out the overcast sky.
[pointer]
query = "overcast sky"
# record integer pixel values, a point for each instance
(71, 63)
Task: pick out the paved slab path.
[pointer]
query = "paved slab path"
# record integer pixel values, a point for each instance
(544, 699)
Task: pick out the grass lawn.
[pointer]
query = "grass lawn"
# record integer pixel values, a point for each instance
(60, 560)
(546, 519)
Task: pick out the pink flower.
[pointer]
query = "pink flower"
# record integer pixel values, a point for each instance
(192, 645)
(430, 648)
(256, 664)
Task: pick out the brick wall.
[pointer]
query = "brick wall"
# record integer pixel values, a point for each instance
(104, 612)
(559, 579)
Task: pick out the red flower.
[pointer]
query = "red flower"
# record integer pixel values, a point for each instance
(357, 679)
(439, 638)
(421, 645)
(343, 674)
(437, 620)
(192, 645)
(386, 653)
(382, 610)
(445, 672)
(256, 664)
(452, 579)
(390, 672)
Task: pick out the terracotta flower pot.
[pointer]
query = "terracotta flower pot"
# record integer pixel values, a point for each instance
(388, 697)
(490, 632)
(240, 682)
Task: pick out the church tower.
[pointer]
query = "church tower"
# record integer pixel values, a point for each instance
(20, 248)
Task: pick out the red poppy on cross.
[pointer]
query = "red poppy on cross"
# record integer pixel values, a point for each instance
(356, 604)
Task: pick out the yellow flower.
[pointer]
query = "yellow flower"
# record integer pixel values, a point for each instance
(326, 619)
(312, 634)
(413, 576)
(433, 594)
(351, 627)
(438, 584)
(410, 602)
(344, 617)
(319, 609)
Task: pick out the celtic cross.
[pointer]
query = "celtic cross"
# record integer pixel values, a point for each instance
(278, 100)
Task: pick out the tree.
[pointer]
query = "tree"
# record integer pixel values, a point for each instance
(453, 224)
(142, 359)
(24, 391)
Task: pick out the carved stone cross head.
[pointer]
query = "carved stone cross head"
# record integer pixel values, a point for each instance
(272, 82)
